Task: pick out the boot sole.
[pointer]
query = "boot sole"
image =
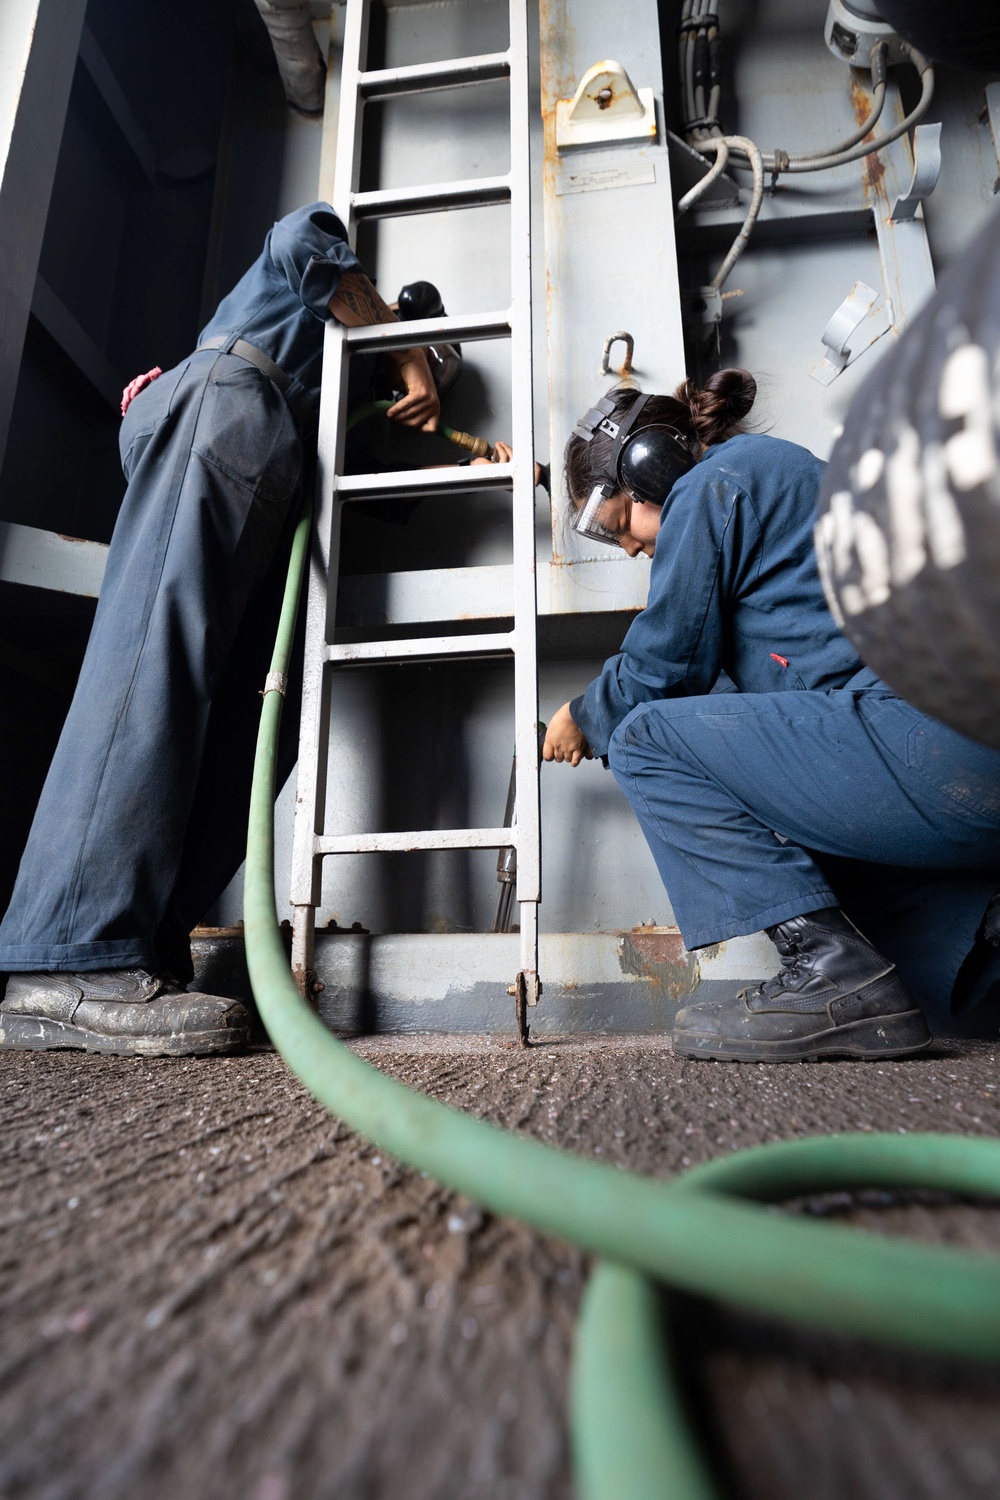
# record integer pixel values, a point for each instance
(875, 1036)
(41, 1034)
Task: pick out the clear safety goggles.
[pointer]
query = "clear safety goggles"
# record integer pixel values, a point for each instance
(592, 520)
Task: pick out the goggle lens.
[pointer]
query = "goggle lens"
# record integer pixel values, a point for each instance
(592, 520)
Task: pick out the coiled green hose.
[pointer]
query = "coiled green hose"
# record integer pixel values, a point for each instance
(708, 1232)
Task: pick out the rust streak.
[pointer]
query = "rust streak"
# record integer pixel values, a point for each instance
(862, 104)
(860, 101)
(874, 172)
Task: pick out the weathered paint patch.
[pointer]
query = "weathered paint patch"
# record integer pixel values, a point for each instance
(660, 955)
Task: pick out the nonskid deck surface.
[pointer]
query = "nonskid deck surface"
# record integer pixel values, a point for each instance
(212, 1288)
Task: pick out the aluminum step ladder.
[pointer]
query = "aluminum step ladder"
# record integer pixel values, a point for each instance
(324, 657)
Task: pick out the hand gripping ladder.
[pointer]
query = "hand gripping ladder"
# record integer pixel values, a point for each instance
(335, 489)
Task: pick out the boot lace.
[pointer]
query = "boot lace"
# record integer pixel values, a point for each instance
(794, 968)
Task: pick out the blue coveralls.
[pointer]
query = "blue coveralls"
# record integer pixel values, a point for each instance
(812, 784)
(142, 819)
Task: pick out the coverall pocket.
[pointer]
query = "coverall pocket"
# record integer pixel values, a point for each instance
(146, 413)
(966, 772)
(246, 430)
(962, 776)
(783, 676)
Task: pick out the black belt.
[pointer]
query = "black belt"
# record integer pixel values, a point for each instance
(298, 402)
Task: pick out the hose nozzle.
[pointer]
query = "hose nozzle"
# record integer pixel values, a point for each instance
(477, 446)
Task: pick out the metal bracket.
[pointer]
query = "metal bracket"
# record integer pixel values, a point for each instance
(926, 170)
(526, 990)
(854, 327)
(626, 365)
(606, 107)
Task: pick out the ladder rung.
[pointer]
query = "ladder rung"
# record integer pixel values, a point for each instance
(424, 597)
(377, 337)
(428, 647)
(441, 481)
(402, 843)
(455, 73)
(435, 197)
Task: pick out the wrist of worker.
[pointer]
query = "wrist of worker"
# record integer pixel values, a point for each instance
(575, 710)
(402, 358)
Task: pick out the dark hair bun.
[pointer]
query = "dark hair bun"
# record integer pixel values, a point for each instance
(734, 392)
(718, 407)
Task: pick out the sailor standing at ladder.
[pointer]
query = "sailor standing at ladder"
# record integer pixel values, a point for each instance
(142, 820)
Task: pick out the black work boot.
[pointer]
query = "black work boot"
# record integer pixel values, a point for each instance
(836, 996)
(129, 1012)
(971, 985)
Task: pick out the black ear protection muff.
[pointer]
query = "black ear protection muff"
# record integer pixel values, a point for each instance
(645, 464)
(651, 462)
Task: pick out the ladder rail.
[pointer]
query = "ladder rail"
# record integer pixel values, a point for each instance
(311, 843)
(527, 797)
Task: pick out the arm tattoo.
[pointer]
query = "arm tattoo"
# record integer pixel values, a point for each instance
(358, 298)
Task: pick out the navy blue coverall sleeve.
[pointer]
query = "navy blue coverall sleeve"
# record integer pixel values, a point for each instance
(709, 535)
(310, 249)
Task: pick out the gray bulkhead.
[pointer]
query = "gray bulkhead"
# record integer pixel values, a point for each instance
(414, 746)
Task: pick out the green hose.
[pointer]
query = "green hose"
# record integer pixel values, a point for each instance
(710, 1232)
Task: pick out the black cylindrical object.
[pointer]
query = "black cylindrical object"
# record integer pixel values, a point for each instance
(908, 530)
(964, 33)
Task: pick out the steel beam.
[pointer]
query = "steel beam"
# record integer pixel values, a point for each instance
(605, 208)
(76, 343)
(39, 42)
(117, 105)
(44, 560)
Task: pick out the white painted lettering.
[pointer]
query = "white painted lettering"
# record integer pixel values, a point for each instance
(870, 466)
(965, 392)
(903, 487)
(945, 532)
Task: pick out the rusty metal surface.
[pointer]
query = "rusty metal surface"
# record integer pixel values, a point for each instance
(610, 982)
